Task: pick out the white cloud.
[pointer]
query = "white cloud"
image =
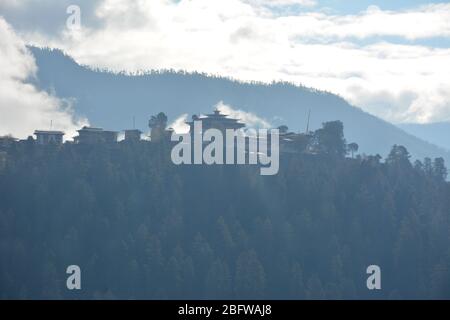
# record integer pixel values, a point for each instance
(278, 3)
(237, 38)
(23, 108)
(12, 3)
(427, 21)
(250, 119)
(179, 125)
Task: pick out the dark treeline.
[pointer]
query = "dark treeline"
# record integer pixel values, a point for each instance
(141, 227)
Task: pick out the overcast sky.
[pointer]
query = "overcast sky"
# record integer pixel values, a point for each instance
(391, 58)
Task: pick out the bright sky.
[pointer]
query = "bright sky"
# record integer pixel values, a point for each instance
(391, 58)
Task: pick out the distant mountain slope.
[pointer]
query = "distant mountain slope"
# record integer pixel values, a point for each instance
(437, 133)
(111, 100)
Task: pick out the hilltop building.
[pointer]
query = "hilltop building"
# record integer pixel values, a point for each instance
(90, 135)
(7, 141)
(216, 120)
(49, 137)
(133, 135)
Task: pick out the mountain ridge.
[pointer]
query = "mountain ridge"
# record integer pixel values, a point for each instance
(436, 133)
(108, 99)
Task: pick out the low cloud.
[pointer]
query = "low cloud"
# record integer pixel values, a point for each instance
(24, 108)
(179, 125)
(250, 119)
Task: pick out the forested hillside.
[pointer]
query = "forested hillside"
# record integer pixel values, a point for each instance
(141, 227)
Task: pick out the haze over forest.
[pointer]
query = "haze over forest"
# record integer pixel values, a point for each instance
(360, 93)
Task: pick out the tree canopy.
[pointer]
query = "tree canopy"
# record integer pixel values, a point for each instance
(140, 227)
